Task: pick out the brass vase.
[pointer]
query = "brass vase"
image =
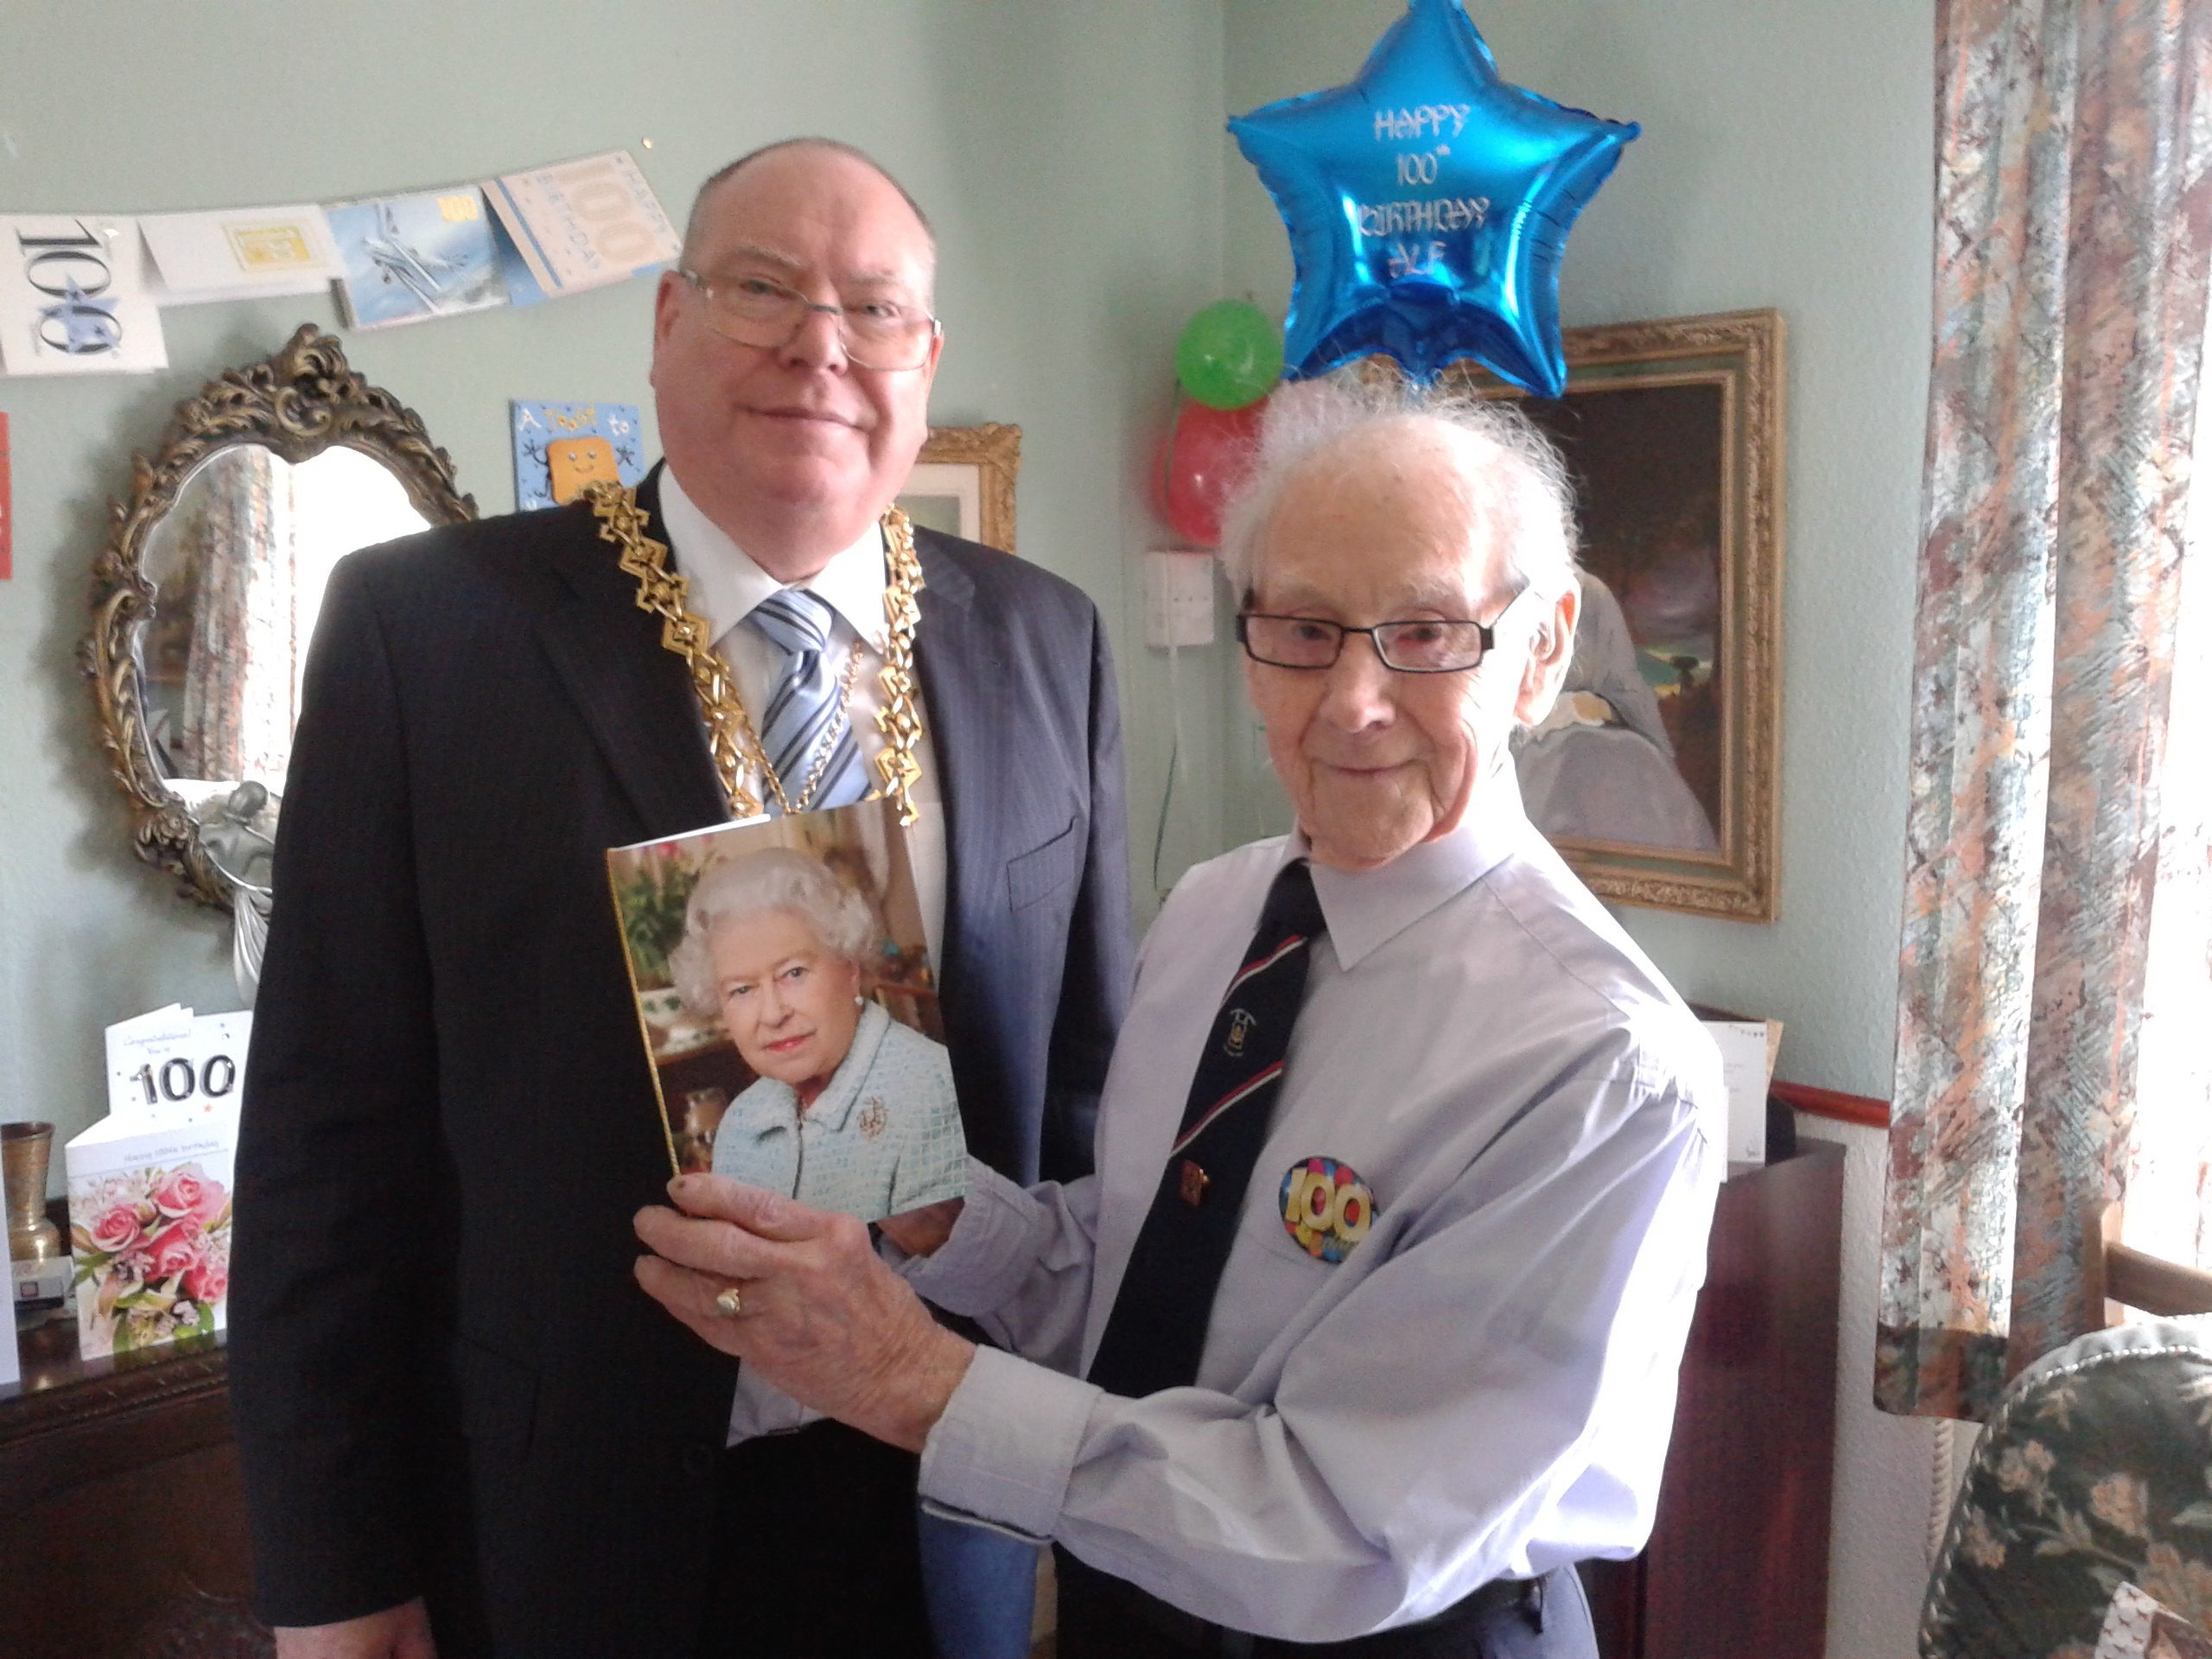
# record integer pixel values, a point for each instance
(24, 1151)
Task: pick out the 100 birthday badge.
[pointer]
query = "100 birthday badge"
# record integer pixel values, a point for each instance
(1325, 1207)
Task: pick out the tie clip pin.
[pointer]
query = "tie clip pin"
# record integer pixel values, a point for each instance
(1192, 1183)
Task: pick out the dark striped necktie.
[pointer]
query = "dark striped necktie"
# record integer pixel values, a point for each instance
(803, 716)
(1158, 1328)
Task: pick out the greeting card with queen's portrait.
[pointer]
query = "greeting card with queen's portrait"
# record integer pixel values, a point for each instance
(789, 1008)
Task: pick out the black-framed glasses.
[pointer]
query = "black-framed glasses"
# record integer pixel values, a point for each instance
(875, 333)
(1422, 647)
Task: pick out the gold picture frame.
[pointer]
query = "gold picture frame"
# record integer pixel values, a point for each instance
(964, 484)
(1673, 430)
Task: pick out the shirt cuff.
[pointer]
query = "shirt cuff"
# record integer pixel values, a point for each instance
(990, 1251)
(1007, 1443)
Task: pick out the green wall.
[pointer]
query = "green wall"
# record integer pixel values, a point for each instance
(1068, 154)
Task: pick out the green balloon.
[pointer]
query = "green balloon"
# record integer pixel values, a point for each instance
(1229, 355)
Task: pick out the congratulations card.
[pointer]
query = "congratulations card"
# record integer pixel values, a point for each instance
(149, 1185)
(584, 224)
(411, 258)
(240, 253)
(73, 300)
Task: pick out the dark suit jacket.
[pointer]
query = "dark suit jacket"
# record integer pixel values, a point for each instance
(445, 1379)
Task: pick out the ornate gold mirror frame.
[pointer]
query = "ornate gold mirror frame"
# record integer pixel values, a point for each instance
(296, 404)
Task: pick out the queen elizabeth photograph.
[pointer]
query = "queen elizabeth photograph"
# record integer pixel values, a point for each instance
(790, 1011)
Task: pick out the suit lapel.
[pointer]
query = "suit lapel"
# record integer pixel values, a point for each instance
(635, 695)
(962, 671)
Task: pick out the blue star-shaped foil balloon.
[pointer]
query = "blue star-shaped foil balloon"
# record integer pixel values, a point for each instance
(1428, 203)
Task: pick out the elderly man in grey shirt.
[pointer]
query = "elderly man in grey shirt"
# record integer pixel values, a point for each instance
(1366, 1329)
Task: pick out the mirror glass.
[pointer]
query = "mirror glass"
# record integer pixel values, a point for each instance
(204, 599)
(237, 566)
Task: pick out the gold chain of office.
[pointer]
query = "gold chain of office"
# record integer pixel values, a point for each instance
(731, 739)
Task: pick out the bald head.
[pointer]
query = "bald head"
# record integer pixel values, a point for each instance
(702, 203)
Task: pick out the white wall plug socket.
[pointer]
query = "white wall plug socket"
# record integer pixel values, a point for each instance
(1178, 599)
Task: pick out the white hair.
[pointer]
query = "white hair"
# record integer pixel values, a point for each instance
(1515, 487)
(733, 890)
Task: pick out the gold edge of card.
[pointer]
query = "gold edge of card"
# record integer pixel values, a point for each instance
(645, 1026)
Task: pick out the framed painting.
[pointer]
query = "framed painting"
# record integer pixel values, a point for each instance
(1656, 775)
(964, 484)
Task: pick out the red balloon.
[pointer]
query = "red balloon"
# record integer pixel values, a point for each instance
(1200, 463)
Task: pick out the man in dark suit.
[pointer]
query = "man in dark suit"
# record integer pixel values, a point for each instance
(457, 1413)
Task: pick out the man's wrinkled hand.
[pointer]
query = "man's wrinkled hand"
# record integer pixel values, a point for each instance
(820, 1315)
(401, 1632)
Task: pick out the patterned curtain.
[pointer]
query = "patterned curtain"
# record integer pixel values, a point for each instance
(271, 644)
(2169, 1208)
(241, 600)
(2073, 211)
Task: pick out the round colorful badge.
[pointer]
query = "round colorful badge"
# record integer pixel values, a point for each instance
(1325, 1207)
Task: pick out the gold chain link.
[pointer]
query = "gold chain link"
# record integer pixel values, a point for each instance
(735, 746)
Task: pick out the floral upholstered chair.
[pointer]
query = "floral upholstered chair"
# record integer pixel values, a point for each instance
(2094, 1472)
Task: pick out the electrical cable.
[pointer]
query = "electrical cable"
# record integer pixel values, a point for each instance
(1174, 765)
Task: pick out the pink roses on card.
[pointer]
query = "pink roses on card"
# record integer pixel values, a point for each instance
(117, 1231)
(175, 1250)
(185, 1194)
(208, 1280)
(154, 1263)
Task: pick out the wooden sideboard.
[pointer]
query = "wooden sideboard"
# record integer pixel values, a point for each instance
(121, 1522)
(1738, 1564)
(123, 1531)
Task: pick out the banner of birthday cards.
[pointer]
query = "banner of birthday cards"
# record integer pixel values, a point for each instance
(83, 293)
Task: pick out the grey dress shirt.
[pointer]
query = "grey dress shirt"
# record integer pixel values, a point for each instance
(1485, 1385)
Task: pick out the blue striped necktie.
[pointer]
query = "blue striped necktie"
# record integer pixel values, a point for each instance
(1157, 1330)
(803, 715)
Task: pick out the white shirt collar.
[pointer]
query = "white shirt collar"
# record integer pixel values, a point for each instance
(1366, 909)
(726, 584)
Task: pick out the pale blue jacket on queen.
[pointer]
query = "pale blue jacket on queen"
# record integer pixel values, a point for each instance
(882, 1139)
